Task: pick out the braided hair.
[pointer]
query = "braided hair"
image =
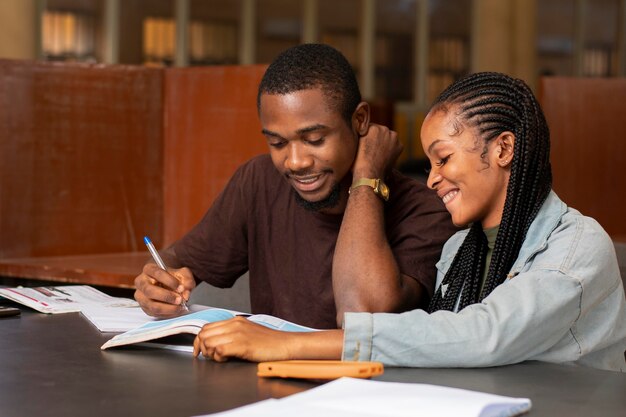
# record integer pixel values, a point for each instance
(493, 103)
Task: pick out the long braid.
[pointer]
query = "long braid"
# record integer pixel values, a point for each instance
(494, 103)
(466, 266)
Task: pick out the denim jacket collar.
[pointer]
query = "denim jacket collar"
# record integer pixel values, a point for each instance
(545, 222)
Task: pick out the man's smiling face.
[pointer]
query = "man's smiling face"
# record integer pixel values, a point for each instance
(310, 142)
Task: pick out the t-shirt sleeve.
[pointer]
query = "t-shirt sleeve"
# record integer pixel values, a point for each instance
(418, 225)
(216, 249)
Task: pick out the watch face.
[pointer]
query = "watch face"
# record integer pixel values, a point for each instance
(384, 190)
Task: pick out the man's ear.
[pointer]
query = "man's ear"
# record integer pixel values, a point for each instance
(361, 119)
(505, 149)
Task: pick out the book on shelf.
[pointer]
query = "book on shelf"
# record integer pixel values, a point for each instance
(63, 298)
(158, 333)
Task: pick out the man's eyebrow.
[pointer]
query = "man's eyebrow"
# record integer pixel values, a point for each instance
(302, 131)
(312, 128)
(270, 133)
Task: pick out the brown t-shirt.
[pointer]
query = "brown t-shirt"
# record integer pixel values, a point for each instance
(256, 224)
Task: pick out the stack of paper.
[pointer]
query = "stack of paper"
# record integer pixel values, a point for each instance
(348, 397)
(63, 298)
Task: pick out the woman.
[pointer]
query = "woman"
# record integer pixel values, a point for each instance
(529, 279)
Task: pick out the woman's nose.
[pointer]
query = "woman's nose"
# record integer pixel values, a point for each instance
(434, 178)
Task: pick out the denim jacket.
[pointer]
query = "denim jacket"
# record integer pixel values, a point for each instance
(563, 302)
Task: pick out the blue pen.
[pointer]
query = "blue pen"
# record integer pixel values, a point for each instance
(161, 264)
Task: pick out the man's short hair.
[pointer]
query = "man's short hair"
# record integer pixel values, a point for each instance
(310, 66)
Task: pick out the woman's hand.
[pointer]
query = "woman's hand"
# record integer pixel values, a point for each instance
(243, 339)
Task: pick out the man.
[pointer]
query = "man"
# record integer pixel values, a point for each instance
(280, 216)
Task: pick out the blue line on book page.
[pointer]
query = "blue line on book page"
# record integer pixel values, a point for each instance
(209, 315)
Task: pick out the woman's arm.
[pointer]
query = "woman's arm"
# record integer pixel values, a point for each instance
(529, 317)
(240, 338)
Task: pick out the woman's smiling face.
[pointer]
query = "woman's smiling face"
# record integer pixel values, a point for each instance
(470, 177)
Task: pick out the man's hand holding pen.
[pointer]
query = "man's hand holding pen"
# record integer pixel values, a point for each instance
(163, 293)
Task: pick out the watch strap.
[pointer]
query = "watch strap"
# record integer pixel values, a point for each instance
(376, 184)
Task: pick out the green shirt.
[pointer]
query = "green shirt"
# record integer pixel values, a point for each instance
(491, 234)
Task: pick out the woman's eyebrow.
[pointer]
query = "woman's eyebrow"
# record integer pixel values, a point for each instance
(432, 145)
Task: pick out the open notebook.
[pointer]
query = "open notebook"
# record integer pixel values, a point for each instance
(192, 324)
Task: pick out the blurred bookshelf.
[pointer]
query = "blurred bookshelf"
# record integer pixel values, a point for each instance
(597, 61)
(448, 61)
(346, 42)
(583, 41)
(448, 58)
(212, 43)
(567, 42)
(145, 33)
(159, 41)
(68, 36)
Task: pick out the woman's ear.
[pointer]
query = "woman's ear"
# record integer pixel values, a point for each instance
(505, 149)
(361, 119)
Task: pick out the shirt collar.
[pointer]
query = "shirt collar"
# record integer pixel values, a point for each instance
(545, 222)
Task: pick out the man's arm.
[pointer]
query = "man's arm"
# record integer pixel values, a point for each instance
(366, 276)
(216, 261)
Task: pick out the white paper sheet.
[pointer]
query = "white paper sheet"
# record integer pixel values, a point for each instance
(347, 397)
(63, 298)
(116, 319)
(122, 319)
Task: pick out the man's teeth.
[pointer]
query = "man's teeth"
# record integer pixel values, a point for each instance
(307, 180)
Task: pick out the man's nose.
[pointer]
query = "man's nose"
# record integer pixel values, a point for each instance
(298, 157)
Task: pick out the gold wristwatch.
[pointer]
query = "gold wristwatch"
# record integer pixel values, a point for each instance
(379, 187)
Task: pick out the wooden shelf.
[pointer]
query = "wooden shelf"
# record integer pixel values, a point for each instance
(112, 270)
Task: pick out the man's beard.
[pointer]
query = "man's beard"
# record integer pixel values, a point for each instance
(329, 202)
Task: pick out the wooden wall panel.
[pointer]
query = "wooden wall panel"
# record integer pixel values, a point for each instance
(211, 127)
(587, 119)
(80, 158)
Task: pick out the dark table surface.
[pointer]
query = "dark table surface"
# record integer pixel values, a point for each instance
(52, 365)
